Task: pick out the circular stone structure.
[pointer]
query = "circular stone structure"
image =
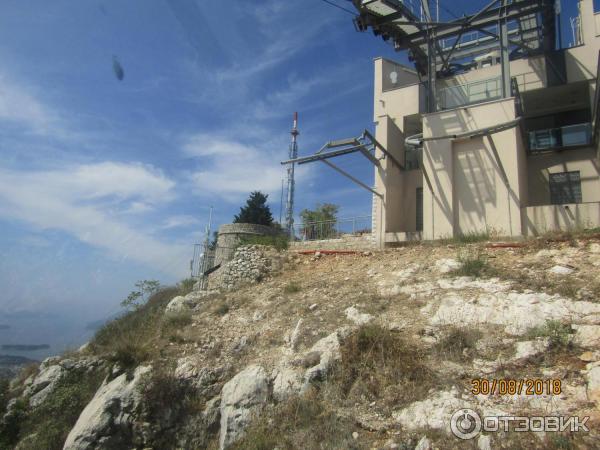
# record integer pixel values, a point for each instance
(231, 234)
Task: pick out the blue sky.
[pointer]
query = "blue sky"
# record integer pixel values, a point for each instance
(104, 182)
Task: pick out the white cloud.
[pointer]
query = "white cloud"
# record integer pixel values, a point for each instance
(116, 179)
(21, 106)
(182, 221)
(230, 169)
(73, 200)
(18, 106)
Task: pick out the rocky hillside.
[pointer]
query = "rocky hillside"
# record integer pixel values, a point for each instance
(371, 350)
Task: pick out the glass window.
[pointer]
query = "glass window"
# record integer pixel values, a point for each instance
(565, 187)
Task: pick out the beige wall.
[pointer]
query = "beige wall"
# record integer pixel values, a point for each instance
(540, 166)
(582, 61)
(476, 182)
(394, 212)
(540, 219)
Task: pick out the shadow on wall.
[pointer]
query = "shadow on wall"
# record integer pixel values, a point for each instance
(570, 217)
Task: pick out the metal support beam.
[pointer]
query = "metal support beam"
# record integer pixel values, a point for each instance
(431, 77)
(324, 155)
(367, 154)
(504, 59)
(355, 180)
(383, 149)
(512, 11)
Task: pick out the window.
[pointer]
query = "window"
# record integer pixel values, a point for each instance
(420, 209)
(413, 158)
(565, 187)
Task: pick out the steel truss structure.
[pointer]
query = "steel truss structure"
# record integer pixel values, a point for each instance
(439, 49)
(365, 144)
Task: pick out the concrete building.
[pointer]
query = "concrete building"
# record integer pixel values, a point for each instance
(477, 157)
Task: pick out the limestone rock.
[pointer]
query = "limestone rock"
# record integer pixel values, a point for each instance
(423, 444)
(212, 414)
(484, 442)
(287, 382)
(516, 311)
(527, 349)
(561, 270)
(180, 304)
(587, 336)
(201, 378)
(294, 338)
(594, 248)
(107, 421)
(447, 265)
(242, 398)
(590, 356)
(434, 412)
(593, 384)
(44, 383)
(329, 350)
(357, 317)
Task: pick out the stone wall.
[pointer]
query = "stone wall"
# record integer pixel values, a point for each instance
(249, 264)
(230, 235)
(345, 242)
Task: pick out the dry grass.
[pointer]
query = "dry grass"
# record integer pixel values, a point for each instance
(379, 364)
(129, 340)
(167, 402)
(540, 281)
(300, 423)
(221, 307)
(457, 343)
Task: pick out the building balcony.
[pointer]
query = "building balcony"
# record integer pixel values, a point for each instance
(469, 93)
(562, 137)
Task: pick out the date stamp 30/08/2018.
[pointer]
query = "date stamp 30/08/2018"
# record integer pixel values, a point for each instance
(510, 386)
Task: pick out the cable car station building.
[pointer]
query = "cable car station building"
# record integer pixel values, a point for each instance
(495, 128)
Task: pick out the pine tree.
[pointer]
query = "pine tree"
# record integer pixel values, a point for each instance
(255, 211)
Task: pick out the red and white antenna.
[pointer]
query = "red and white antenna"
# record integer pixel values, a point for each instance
(293, 154)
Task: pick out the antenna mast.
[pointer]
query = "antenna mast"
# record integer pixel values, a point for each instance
(293, 154)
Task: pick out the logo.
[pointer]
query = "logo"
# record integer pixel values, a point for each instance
(465, 424)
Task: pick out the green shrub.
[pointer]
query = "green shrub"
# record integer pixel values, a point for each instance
(473, 265)
(292, 288)
(4, 385)
(145, 289)
(129, 355)
(557, 332)
(10, 428)
(280, 241)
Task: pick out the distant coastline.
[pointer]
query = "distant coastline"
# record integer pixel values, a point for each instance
(24, 348)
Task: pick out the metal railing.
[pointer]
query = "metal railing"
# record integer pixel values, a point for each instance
(332, 229)
(468, 93)
(567, 136)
